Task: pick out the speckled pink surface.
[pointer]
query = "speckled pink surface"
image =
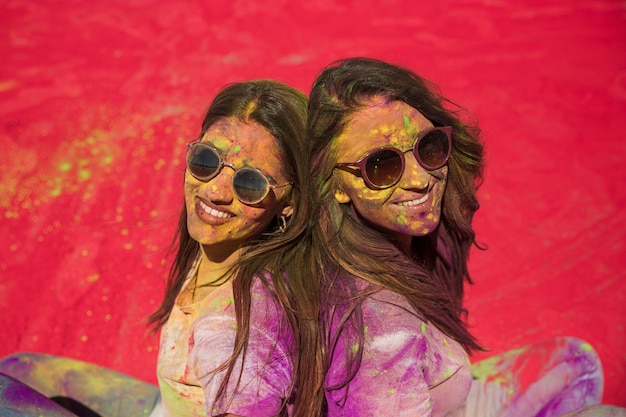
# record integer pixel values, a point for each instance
(98, 98)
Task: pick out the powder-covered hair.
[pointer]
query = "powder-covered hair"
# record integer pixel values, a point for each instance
(281, 110)
(432, 276)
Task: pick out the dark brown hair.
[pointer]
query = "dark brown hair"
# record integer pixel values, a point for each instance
(282, 111)
(432, 276)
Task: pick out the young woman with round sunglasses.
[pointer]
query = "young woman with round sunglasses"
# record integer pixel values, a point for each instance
(232, 326)
(397, 174)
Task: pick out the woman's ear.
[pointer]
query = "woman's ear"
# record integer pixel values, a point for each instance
(341, 196)
(287, 211)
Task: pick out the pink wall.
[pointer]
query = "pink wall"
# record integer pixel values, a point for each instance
(97, 100)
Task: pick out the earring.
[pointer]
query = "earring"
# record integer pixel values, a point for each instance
(282, 224)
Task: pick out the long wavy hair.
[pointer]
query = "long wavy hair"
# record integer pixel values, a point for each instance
(432, 276)
(281, 110)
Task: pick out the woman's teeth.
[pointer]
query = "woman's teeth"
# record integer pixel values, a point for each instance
(414, 202)
(213, 212)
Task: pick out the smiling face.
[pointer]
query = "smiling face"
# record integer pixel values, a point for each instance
(410, 208)
(215, 217)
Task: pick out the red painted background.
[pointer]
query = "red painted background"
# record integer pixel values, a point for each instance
(98, 98)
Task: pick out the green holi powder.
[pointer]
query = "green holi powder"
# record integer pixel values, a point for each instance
(322, 185)
(84, 175)
(237, 149)
(351, 88)
(391, 391)
(487, 368)
(55, 192)
(423, 328)
(107, 160)
(586, 346)
(65, 166)
(234, 325)
(407, 123)
(355, 347)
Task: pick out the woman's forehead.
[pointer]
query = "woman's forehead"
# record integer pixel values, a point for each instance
(231, 134)
(382, 123)
(246, 144)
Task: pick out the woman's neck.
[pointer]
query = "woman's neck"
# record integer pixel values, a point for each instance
(215, 264)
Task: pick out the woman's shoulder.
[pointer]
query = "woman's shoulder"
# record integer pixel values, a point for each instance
(387, 315)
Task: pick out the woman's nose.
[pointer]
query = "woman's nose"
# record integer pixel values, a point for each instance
(220, 188)
(414, 176)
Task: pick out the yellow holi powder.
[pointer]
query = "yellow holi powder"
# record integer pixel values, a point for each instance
(250, 108)
(391, 391)
(220, 143)
(7, 85)
(93, 277)
(159, 164)
(124, 232)
(84, 252)
(83, 338)
(107, 317)
(119, 218)
(128, 246)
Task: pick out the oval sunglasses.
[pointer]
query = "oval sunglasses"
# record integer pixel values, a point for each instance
(250, 185)
(383, 167)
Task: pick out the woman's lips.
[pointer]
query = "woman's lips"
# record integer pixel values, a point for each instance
(210, 214)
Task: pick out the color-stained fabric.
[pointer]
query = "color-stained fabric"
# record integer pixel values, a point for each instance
(543, 379)
(198, 338)
(34, 384)
(409, 367)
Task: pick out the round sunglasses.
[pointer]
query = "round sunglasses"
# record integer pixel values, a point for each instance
(250, 185)
(383, 167)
